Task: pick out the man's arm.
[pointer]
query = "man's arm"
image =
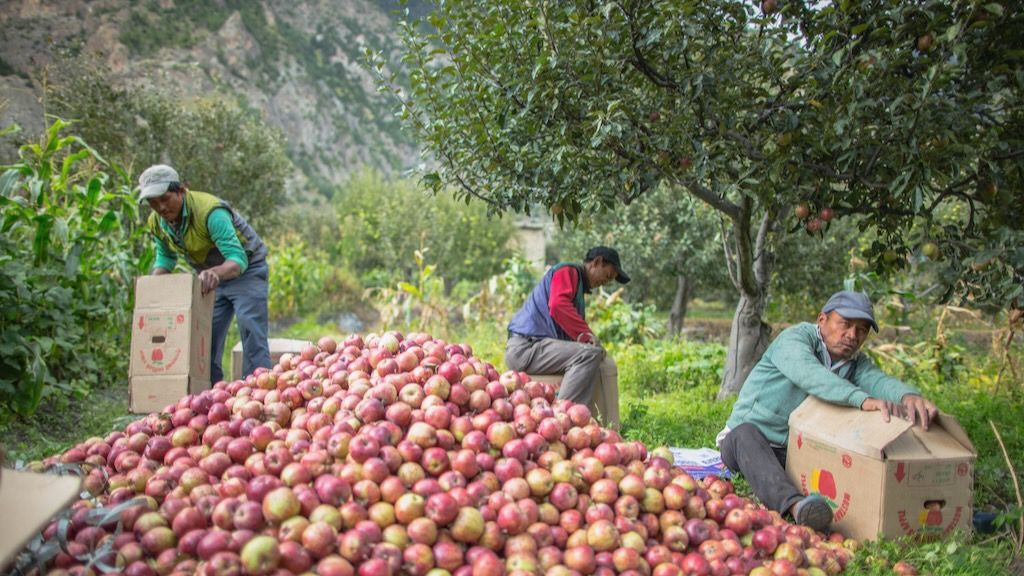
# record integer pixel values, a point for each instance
(794, 357)
(166, 259)
(892, 396)
(222, 232)
(562, 309)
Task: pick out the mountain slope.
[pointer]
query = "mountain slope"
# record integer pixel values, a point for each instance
(298, 64)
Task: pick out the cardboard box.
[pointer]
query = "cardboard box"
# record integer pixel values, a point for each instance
(151, 393)
(27, 502)
(890, 479)
(171, 330)
(278, 347)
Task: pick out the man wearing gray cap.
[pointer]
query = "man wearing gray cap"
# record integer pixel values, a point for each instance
(821, 360)
(226, 252)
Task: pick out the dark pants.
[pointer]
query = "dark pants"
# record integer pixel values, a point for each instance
(747, 451)
(244, 297)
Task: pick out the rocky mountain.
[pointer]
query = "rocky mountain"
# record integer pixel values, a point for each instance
(299, 63)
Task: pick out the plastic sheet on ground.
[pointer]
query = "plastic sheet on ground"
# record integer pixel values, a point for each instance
(700, 462)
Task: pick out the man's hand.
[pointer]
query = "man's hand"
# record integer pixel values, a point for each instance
(920, 409)
(588, 338)
(885, 407)
(209, 280)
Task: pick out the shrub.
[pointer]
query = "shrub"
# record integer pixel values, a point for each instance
(215, 145)
(662, 366)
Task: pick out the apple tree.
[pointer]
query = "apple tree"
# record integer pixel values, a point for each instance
(903, 116)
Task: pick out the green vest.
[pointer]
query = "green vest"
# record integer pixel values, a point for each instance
(196, 245)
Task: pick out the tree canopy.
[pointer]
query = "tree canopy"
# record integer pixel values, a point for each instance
(905, 116)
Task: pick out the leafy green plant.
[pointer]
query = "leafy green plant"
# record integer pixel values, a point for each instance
(499, 296)
(70, 246)
(216, 145)
(664, 366)
(616, 321)
(420, 306)
(381, 223)
(297, 277)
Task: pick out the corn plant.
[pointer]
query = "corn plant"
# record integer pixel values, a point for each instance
(70, 246)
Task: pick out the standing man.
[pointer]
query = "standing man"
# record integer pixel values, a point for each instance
(822, 360)
(550, 335)
(226, 252)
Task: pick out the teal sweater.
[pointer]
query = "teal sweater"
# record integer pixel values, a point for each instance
(793, 368)
(222, 230)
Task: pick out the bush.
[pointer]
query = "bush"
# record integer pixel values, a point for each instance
(69, 250)
(297, 278)
(662, 366)
(616, 321)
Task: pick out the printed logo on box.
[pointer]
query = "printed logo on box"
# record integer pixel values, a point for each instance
(155, 360)
(930, 520)
(824, 483)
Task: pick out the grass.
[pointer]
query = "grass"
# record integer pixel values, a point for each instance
(667, 394)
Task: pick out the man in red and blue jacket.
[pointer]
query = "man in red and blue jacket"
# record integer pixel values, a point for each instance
(550, 334)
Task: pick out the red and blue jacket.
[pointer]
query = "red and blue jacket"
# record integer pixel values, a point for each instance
(555, 308)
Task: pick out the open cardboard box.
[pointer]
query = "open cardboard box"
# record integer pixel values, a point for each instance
(883, 478)
(170, 350)
(27, 502)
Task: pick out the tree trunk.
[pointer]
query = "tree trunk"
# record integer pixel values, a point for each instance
(749, 334)
(748, 339)
(680, 302)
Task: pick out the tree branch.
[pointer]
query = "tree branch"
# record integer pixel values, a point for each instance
(728, 255)
(744, 249)
(709, 197)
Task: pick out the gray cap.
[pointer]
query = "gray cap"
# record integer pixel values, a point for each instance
(155, 180)
(852, 306)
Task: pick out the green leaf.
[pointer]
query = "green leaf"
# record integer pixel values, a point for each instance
(108, 222)
(41, 241)
(994, 8)
(410, 289)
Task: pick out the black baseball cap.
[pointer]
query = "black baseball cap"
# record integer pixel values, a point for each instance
(610, 256)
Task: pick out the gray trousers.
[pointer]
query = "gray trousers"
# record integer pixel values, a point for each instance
(589, 375)
(244, 297)
(747, 451)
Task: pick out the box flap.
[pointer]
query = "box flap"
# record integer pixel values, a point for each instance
(935, 443)
(857, 431)
(32, 499)
(166, 291)
(950, 424)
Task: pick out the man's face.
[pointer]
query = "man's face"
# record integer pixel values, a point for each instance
(842, 336)
(168, 206)
(600, 272)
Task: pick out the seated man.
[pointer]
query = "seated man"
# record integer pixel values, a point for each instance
(820, 360)
(549, 334)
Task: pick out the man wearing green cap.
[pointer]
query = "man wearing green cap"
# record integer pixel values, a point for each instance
(223, 249)
(821, 360)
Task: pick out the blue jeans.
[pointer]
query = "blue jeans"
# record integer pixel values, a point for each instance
(246, 298)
